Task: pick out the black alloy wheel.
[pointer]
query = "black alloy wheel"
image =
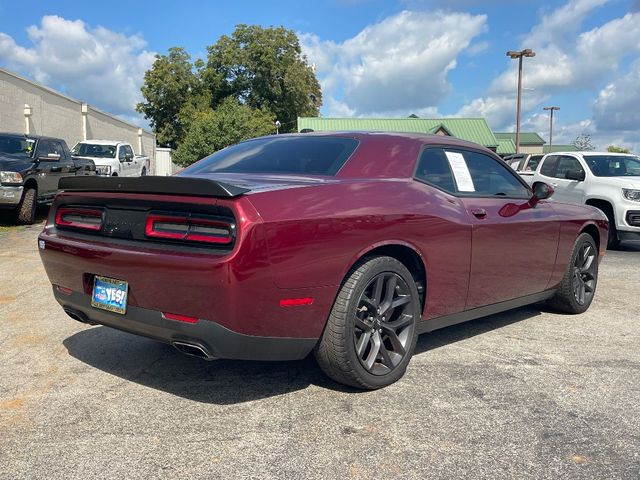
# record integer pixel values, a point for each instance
(578, 286)
(584, 273)
(384, 325)
(371, 331)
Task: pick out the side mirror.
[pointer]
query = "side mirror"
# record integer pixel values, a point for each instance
(52, 157)
(577, 175)
(128, 157)
(541, 191)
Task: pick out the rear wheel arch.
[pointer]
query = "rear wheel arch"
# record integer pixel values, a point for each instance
(592, 230)
(405, 253)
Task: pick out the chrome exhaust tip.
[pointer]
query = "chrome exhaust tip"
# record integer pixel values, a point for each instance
(193, 350)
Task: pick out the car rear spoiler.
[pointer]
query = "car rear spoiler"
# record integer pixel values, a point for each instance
(199, 187)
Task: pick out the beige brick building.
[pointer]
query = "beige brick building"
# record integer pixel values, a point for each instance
(28, 107)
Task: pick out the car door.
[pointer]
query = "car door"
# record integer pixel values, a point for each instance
(446, 243)
(49, 167)
(124, 165)
(514, 245)
(134, 163)
(567, 190)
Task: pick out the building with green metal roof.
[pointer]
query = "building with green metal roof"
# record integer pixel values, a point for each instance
(506, 147)
(530, 142)
(471, 129)
(559, 148)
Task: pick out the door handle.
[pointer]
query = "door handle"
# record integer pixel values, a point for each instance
(479, 212)
(56, 169)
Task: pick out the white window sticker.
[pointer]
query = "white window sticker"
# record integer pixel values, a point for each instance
(460, 171)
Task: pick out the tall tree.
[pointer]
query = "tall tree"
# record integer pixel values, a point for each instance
(172, 83)
(583, 142)
(614, 149)
(264, 68)
(213, 130)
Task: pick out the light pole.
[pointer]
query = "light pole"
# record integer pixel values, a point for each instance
(278, 125)
(551, 109)
(527, 52)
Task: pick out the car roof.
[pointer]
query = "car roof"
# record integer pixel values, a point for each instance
(102, 142)
(24, 135)
(424, 138)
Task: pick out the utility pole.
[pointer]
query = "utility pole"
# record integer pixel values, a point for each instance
(551, 110)
(527, 52)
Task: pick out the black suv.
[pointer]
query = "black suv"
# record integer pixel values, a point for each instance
(30, 167)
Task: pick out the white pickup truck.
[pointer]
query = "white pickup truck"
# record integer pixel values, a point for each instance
(112, 158)
(608, 181)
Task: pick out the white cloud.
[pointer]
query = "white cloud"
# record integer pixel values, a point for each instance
(397, 65)
(617, 105)
(96, 65)
(569, 60)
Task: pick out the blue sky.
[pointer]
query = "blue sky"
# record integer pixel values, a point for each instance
(373, 57)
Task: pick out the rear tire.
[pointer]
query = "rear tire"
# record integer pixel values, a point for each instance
(578, 286)
(26, 212)
(371, 331)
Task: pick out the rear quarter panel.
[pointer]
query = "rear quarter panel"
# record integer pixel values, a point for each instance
(316, 234)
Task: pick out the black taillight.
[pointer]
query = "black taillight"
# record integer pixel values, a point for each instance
(189, 228)
(79, 218)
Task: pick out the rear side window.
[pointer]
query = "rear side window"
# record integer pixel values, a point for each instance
(566, 164)
(433, 168)
(534, 161)
(549, 166)
(280, 155)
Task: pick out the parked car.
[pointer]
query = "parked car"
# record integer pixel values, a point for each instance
(30, 168)
(112, 158)
(525, 164)
(608, 181)
(345, 244)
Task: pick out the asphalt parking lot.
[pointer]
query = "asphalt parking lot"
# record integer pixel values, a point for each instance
(524, 394)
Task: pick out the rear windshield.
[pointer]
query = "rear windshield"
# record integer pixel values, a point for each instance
(281, 155)
(613, 165)
(17, 145)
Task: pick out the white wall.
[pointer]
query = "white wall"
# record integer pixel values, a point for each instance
(57, 115)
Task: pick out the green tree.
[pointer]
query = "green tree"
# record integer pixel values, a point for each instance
(583, 142)
(614, 149)
(172, 83)
(264, 68)
(213, 130)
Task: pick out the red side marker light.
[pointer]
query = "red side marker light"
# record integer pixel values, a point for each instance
(64, 290)
(296, 302)
(179, 318)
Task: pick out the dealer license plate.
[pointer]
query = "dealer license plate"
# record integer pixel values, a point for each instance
(110, 294)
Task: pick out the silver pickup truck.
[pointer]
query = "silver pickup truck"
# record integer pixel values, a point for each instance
(112, 158)
(525, 164)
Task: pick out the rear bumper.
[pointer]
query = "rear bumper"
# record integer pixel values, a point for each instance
(214, 339)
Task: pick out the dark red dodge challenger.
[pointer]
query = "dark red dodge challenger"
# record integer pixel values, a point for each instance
(345, 244)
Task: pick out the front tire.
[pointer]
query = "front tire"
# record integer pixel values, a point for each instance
(613, 241)
(578, 286)
(371, 332)
(26, 212)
